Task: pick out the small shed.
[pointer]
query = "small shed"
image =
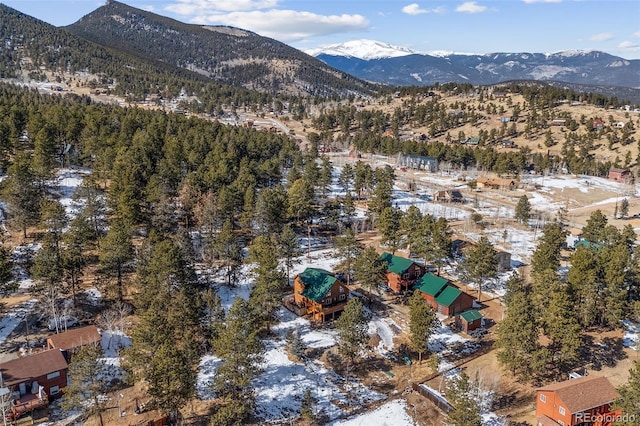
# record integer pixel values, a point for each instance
(469, 320)
(620, 175)
(449, 196)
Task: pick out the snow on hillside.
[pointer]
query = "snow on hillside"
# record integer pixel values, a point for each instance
(363, 49)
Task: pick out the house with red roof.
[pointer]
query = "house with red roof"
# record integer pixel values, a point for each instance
(585, 400)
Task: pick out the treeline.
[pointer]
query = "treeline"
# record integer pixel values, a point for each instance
(378, 132)
(165, 192)
(542, 336)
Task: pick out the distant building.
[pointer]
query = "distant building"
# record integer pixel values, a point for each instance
(496, 183)
(620, 175)
(418, 162)
(504, 261)
(449, 196)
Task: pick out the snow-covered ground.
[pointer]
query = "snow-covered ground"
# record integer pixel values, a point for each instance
(68, 181)
(112, 342)
(283, 382)
(393, 413)
(631, 335)
(12, 318)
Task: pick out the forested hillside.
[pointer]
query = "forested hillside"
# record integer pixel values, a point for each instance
(33, 48)
(230, 55)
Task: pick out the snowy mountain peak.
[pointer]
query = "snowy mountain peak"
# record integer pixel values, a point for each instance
(362, 49)
(572, 53)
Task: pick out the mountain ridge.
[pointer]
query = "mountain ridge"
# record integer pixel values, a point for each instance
(573, 66)
(226, 54)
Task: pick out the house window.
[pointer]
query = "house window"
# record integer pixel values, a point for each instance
(342, 297)
(561, 411)
(405, 276)
(561, 422)
(543, 398)
(53, 375)
(54, 390)
(341, 289)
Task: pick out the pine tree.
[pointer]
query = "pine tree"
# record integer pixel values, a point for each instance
(593, 231)
(561, 326)
(629, 401)
(410, 225)
(295, 344)
(116, 250)
(460, 393)
(241, 352)
(288, 248)
(422, 323)
(22, 193)
(547, 254)
(624, 207)
(370, 270)
(481, 263)
(348, 250)
(346, 178)
(171, 377)
(86, 383)
(519, 349)
(266, 295)
(352, 329)
(389, 227)
(523, 210)
(229, 250)
(307, 406)
(7, 281)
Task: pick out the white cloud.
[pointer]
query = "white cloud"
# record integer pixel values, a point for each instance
(470, 7)
(628, 45)
(636, 34)
(288, 25)
(542, 1)
(601, 37)
(202, 7)
(414, 9)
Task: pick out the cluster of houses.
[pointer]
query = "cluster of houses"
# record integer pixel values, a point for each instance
(34, 380)
(323, 296)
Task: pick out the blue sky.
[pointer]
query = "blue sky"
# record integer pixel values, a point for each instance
(540, 26)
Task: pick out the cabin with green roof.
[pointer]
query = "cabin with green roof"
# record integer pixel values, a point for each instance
(319, 293)
(444, 297)
(402, 273)
(469, 320)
